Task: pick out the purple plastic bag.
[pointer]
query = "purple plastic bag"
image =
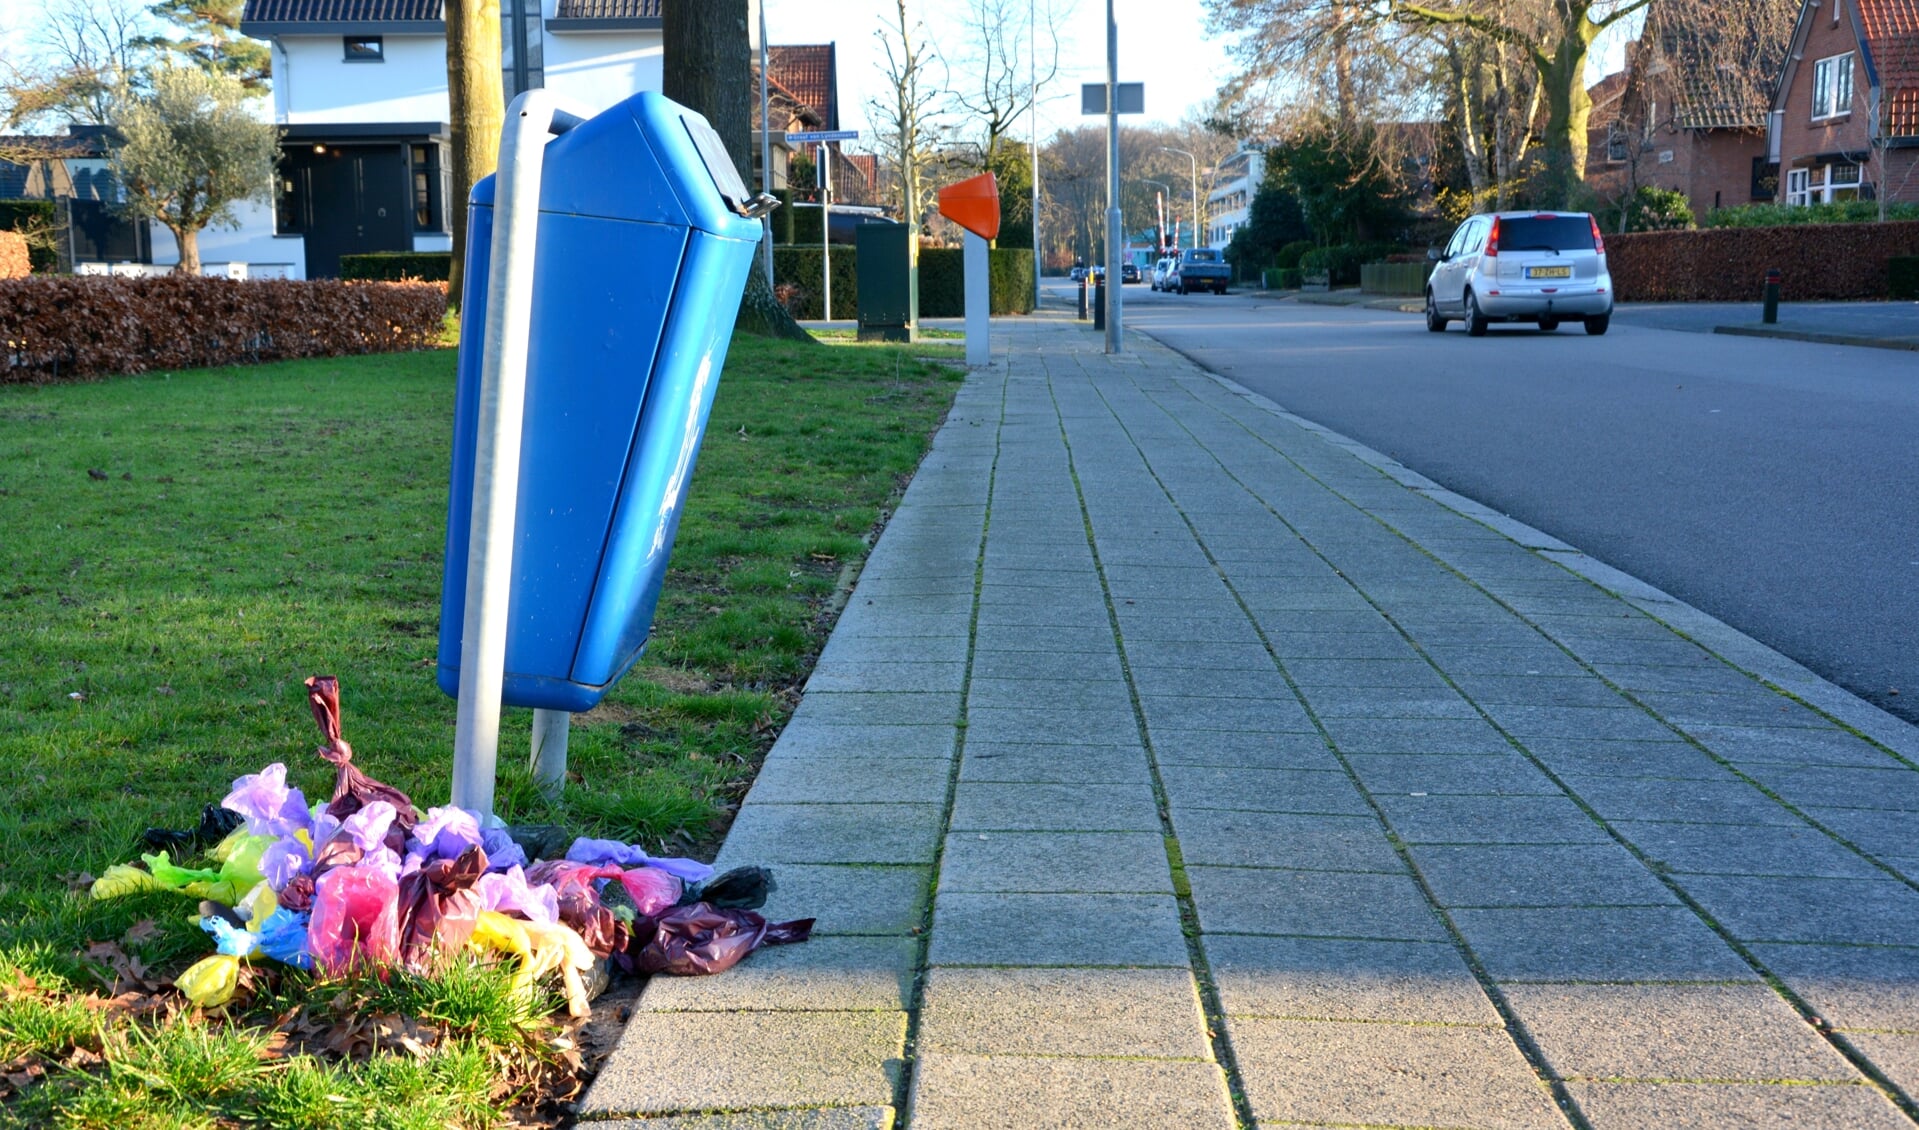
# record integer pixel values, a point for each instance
(697, 939)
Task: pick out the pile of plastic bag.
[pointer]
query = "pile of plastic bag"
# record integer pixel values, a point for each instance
(364, 880)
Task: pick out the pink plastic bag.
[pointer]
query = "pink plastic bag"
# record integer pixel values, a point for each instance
(356, 918)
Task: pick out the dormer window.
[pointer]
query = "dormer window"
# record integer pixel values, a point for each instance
(1832, 87)
(365, 49)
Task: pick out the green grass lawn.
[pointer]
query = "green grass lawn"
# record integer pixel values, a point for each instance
(179, 550)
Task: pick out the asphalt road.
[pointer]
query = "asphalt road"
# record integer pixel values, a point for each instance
(1773, 484)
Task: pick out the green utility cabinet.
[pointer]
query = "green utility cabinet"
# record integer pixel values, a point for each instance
(888, 298)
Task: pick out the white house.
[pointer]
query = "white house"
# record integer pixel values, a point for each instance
(1230, 202)
(359, 87)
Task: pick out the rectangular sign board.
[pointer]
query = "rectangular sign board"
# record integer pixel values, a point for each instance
(824, 135)
(1092, 98)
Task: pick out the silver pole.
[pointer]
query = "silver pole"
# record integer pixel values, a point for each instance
(1032, 51)
(496, 463)
(766, 155)
(549, 750)
(1114, 342)
(826, 224)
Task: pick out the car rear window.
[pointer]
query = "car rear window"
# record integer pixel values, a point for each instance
(1545, 233)
(1206, 256)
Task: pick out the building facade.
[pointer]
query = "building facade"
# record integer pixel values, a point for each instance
(1845, 119)
(1237, 180)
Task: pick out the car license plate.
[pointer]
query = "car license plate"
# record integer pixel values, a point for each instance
(1549, 272)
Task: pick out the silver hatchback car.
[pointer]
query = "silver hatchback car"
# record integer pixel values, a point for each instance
(1544, 267)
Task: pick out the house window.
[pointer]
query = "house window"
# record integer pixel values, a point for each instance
(1798, 186)
(1617, 147)
(429, 213)
(289, 201)
(1842, 182)
(1832, 87)
(365, 49)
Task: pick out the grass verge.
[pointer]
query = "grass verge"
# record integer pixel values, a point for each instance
(184, 548)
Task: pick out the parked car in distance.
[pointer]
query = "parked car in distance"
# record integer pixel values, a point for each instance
(1162, 269)
(1542, 267)
(1128, 273)
(1199, 268)
(1078, 273)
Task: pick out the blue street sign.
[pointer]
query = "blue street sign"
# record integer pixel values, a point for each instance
(825, 135)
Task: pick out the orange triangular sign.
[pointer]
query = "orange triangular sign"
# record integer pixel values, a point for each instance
(973, 204)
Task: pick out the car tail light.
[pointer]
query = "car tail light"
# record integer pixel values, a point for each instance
(1599, 241)
(1492, 241)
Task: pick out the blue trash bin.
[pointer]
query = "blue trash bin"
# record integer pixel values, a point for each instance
(645, 240)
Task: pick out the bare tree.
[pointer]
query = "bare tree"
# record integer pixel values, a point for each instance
(191, 151)
(82, 51)
(1001, 61)
(1494, 98)
(707, 67)
(476, 107)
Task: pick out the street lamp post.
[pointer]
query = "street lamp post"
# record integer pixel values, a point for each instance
(1195, 163)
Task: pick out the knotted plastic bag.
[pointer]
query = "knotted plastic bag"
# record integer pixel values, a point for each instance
(698, 939)
(355, 919)
(439, 907)
(352, 789)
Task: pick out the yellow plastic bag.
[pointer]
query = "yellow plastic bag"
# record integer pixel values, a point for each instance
(125, 879)
(210, 981)
(541, 949)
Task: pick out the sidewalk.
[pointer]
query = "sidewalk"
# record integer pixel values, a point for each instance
(1179, 764)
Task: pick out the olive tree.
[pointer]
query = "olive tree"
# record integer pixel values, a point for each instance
(190, 150)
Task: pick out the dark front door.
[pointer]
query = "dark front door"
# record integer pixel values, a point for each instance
(358, 201)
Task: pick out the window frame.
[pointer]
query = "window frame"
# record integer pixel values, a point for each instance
(1825, 75)
(1798, 187)
(377, 42)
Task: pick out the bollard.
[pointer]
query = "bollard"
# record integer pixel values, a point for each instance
(1082, 298)
(1099, 303)
(1773, 279)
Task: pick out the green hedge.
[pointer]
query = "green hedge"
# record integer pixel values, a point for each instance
(398, 266)
(1289, 255)
(1902, 276)
(1284, 278)
(1342, 261)
(1780, 215)
(942, 281)
(16, 215)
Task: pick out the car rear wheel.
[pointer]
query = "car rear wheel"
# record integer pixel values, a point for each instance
(1182, 287)
(1434, 323)
(1476, 322)
(1548, 325)
(1598, 324)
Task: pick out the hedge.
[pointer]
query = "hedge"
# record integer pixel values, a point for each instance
(796, 271)
(67, 327)
(398, 266)
(1284, 278)
(1820, 262)
(17, 214)
(1902, 276)
(1772, 215)
(14, 261)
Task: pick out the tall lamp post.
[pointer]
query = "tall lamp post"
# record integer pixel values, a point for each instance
(1195, 163)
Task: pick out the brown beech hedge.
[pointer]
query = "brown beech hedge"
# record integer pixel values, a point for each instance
(13, 256)
(70, 327)
(1819, 261)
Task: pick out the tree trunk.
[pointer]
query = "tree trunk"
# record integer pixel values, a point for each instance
(1568, 108)
(476, 102)
(189, 241)
(708, 62)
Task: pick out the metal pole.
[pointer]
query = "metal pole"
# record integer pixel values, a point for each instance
(766, 155)
(1114, 342)
(496, 463)
(826, 224)
(1032, 97)
(549, 750)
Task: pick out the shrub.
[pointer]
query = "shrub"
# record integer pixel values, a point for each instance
(64, 328)
(1651, 208)
(38, 221)
(1782, 215)
(1729, 264)
(799, 268)
(398, 266)
(1284, 278)
(14, 261)
(942, 281)
(1290, 254)
(1902, 276)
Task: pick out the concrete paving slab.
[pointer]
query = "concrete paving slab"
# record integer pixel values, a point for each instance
(1498, 875)
(1612, 723)
(1038, 862)
(682, 1062)
(831, 1118)
(1827, 786)
(1413, 673)
(1039, 666)
(1278, 839)
(883, 676)
(1676, 760)
(1450, 819)
(1345, 979)
(1851, 986)
(1057, 929)
(1262, 790)
(829, 973)
(1413, 735)
(980, 806)
(1345, 1074)
(1720, 1033)
(1131, 1013)
(1727, 800)
(1292, 644)
(1790, 746)
(1234, 715)
(894, 649)
(1877, 833)
(860, 708)
(835, 833)
(1776, 908)
(1896, 1054)
(1761, 849)
(1111, 695)
(847, 899)
(794, 779)
(963, 1092)
(1253, 751)
(1491, 774)
(1709, 1106)
(818, 740)
(1599, 944)
(1049, 724)
(1563, 690)
(1053, 763)
(1325, 904)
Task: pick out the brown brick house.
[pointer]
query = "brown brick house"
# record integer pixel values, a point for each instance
(1845, 120)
